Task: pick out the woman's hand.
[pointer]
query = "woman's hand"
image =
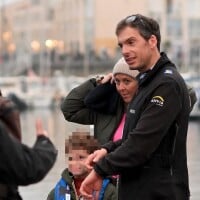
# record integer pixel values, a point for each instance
(107, 78)
(95, 157)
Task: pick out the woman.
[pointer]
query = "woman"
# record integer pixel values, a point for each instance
(97, 102)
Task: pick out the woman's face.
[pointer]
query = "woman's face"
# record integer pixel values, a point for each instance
(126, 86)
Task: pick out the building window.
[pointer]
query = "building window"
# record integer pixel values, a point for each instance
(174, 27)
(194, 28)
(193, 8)
(35, 2)
(169, 6)
(50, 14)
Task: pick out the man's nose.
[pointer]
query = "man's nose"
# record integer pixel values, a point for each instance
(125, 50)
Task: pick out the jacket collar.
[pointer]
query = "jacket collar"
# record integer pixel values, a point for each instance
(67, 176)
(147, 76)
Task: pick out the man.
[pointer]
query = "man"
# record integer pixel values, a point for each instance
(151, 157)
(20, 164)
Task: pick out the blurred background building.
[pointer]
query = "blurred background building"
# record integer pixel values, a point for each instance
(78, 36)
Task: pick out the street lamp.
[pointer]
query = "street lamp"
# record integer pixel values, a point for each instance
(7, 36)
(11, 48)
(35, 46)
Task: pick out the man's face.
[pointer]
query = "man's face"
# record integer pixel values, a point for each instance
(136, 50)
(76, 161)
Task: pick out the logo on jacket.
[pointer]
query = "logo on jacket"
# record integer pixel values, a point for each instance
(132, 111)
(157, 100)
(168, 71)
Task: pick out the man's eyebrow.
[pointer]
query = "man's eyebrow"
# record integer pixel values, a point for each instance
(127, 40)
(130, 38)
(120, 44)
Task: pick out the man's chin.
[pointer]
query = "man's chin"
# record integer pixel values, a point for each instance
(134, 67)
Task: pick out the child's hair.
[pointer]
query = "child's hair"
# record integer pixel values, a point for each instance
(81, 141)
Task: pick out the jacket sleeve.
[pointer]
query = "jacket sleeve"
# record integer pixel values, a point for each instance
(111, 146)
(73, 106)
(145, 138)
(23, 165)
(103, 99)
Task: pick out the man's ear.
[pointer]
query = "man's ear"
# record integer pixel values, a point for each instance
(153, 41)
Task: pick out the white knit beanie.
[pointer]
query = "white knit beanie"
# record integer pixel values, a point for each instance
(121, 67)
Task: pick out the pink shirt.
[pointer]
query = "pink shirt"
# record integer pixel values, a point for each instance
(119, 131)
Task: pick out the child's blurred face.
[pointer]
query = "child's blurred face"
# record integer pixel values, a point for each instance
(76, 161)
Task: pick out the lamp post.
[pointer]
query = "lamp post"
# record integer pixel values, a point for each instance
(50, 45)
(88, 16)
(12, 57)
(36, 51)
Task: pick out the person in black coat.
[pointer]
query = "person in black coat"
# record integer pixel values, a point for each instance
(151, 157)
(20, 164)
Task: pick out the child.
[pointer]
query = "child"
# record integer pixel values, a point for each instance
(77, 149)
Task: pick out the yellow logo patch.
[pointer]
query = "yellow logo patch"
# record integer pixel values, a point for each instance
(158, 100)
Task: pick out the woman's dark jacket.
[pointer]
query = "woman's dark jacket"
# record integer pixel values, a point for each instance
(151, 157)
(83, 105)
(22, 165)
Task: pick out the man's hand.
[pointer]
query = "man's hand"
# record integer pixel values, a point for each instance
(95, 157)
(91, 186)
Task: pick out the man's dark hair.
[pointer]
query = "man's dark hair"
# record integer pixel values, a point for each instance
(145, 25)
(81, 141)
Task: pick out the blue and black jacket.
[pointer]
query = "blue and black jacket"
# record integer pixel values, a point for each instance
(65, 189)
